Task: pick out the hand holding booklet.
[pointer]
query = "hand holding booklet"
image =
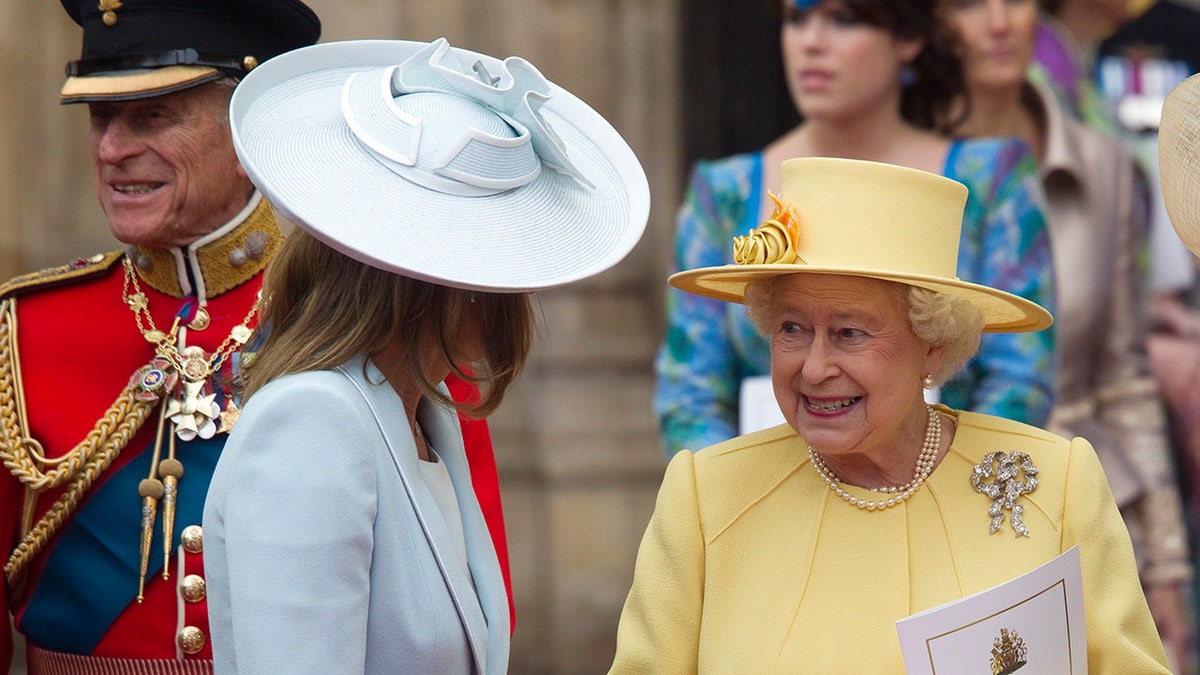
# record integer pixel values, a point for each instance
(1032, 624)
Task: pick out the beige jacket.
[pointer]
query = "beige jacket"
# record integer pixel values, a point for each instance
(1097, 216)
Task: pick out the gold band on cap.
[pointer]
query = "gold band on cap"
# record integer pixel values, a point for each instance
(137, 84)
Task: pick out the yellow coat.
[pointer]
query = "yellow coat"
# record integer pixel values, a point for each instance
(751, 564)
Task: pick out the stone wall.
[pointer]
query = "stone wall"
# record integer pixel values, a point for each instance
(575, 440)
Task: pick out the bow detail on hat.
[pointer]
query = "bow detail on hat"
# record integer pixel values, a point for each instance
(465, 131)
(775, 241)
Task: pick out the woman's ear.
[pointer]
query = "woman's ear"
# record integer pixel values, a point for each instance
(933, 360)
(908, 49)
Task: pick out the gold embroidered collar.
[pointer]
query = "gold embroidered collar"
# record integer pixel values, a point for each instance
(219, 262)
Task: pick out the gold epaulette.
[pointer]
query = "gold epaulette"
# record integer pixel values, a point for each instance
(53, 276)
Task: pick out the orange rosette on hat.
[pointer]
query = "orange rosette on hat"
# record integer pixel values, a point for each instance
(775, 241)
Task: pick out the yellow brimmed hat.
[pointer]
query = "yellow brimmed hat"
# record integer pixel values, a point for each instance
(1179, 160)
(134, 49)
(868, 219)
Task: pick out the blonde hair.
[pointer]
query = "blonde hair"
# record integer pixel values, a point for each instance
(944, 321)
(321, 308)
(937, 318)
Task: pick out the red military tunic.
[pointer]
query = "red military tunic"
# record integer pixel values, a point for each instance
(69, 345)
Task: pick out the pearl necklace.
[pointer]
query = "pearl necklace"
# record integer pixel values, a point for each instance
(925, 462)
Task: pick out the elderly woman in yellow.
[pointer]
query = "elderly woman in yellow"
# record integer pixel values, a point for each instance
(797, 548)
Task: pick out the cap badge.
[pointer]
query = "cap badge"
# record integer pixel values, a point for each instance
(109, 11)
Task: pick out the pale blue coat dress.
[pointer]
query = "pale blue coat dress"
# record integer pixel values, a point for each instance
(327, 552)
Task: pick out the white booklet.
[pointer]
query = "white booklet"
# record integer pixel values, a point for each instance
(1033, 624)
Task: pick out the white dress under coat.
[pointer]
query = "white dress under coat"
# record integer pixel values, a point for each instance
(325, 551)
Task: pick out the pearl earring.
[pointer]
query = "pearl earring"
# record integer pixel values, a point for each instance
(928, 382)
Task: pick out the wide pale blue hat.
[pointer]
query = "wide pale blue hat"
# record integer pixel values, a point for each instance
(440, 163)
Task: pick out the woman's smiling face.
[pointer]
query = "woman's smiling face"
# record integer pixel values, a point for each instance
(846, 366)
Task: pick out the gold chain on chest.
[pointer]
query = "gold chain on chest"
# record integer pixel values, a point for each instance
(191, 412)
(191, 364)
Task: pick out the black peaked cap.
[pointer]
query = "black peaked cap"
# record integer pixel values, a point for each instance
(231, 35)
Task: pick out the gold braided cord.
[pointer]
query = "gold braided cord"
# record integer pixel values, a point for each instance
(80, 466)
(17, 449)
(50, 523)
(109, 429)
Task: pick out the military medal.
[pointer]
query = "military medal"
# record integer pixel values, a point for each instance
(192, 413)
(228, 417)
(153, 380)
(191, 408)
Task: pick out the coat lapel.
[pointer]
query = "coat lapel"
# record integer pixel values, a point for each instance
(485, 620)
(445, 434)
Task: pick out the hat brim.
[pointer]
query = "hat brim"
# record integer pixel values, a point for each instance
(131, 86)
(294, 144)
(1002, 312)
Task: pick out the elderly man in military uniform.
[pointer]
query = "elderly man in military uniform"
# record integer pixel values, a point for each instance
(119, 370)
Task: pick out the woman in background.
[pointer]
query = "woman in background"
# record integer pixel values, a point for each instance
(1097, 212)
(873, 80)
